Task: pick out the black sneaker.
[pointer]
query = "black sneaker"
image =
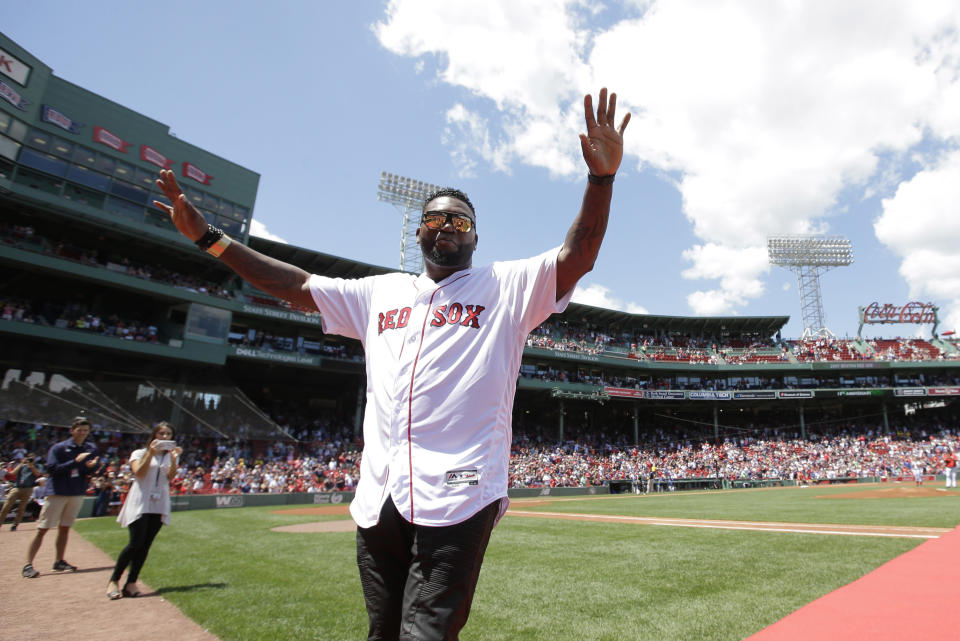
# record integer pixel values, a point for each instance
(63, 566)
(28, 572)
(13, 528)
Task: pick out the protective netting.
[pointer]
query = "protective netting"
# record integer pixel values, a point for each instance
(125, 406)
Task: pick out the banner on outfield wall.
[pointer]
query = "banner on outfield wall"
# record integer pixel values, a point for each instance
(663, 395)
(910, 391)
(943, 391)
(861, 392)
(795, 394)
(229, 500)
(623, 392)
(750, 395)
(708, 395)
(327, 498)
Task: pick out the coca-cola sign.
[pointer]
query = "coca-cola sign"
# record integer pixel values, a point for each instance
(913, 312)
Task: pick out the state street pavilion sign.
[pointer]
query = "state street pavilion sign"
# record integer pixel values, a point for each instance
(888, 314)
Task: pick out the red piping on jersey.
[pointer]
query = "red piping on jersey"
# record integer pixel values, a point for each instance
(413, 373)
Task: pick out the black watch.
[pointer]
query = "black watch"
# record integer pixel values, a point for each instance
(601, 180)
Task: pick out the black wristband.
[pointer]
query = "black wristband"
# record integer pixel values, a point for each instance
(208, 239)
(601, 180)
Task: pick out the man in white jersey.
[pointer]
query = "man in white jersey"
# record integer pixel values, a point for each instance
(443, 352)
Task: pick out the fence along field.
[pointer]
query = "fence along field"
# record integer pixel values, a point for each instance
(544, 578)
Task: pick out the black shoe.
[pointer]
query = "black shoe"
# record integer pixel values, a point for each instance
(13, 528)
(28, 572)
(63, 566)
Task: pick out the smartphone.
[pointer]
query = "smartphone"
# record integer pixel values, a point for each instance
(166, 445)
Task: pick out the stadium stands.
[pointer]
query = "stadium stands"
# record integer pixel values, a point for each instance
(105, 310)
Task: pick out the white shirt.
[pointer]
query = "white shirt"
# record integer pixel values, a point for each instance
(442, 361)
(150, 494)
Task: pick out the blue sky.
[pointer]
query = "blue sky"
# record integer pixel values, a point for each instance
(750, 119)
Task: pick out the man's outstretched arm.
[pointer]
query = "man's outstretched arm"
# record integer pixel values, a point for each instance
(275, 277)
(602, 148)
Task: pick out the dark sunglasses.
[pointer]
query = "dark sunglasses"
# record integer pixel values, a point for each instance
(437, 219)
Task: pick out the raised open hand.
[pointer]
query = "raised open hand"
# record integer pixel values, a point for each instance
(603, 143)
(187, 219)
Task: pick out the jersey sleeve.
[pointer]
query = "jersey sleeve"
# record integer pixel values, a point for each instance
(533, 286)
(343, 304)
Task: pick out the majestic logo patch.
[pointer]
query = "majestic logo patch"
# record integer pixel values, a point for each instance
(463, 477)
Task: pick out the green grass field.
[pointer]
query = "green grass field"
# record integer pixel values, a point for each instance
(542, 579)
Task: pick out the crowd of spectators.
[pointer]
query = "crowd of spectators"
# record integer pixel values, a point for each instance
(908, 349)
(77, 315)
(26, 237)
(567, 335)
(325, 457)
(587, 462)
(323, 460)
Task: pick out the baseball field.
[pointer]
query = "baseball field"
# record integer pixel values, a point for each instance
(717, 565)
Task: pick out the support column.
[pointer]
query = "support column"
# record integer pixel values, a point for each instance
(803, 426)
(636, 426)
(175, 406)
(716, 423)
(560, 426)
(358, 416)
(886, 419)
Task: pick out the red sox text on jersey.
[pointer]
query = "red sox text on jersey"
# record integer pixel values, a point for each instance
(453, 314)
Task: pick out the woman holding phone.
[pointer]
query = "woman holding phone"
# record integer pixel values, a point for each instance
(147, 507)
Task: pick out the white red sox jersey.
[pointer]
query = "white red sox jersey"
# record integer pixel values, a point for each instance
(442, 361)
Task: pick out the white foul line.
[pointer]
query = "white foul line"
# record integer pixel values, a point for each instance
(908, 533)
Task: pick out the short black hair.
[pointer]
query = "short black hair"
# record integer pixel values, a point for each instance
(451, 192)
(80, 420)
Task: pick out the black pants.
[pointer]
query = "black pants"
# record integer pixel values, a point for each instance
(102, 503)
(418, 581)
(142, 533)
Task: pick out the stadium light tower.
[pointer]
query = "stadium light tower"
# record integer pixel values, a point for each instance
(407, 195)
(808, 257)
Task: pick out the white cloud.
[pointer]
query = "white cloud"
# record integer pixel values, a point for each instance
(526, 58)
(920, 224)
(600, 296)
(257, 228)
(736, 268)
(767, 112)
(468, 133)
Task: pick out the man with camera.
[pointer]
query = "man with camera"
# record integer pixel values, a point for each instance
(69, 463)
(26, 475)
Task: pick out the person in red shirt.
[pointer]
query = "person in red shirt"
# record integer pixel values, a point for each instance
(950, 468)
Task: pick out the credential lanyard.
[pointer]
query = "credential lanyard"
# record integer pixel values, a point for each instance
(156, 483)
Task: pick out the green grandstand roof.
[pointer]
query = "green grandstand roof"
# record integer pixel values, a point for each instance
(316, 262)
(694, 325)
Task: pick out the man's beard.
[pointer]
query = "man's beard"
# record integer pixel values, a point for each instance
(459, 258)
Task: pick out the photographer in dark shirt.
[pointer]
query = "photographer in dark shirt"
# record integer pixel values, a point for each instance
(69, 463)
(26, 476)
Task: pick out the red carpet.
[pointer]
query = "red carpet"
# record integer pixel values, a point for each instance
(914, 596)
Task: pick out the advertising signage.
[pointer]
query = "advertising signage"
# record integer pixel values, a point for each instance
(752, 395)
(623, 392)
(709, 396)
(663, 395)
(943, 391)
(795, 394)
(910, 391)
